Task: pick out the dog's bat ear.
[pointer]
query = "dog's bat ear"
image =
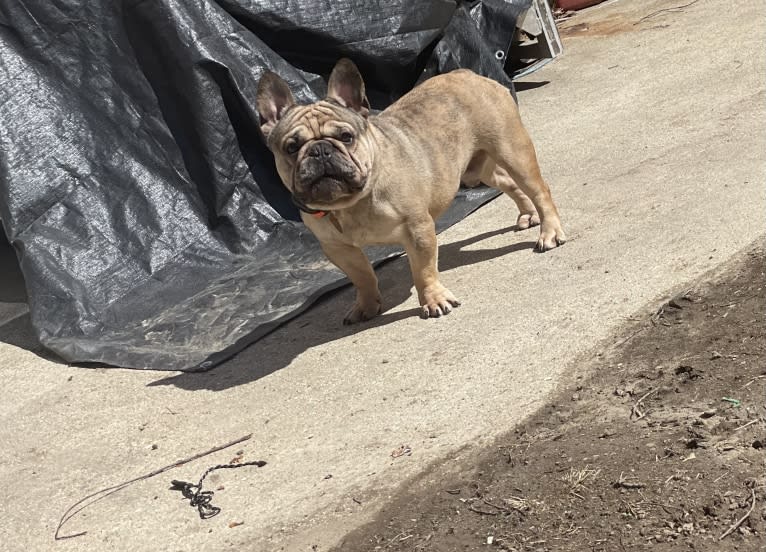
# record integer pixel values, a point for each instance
(271, 100)
(346, 87)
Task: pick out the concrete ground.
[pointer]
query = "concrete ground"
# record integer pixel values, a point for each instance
(651, 133)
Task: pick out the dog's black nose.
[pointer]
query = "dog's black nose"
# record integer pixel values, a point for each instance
(321, 149)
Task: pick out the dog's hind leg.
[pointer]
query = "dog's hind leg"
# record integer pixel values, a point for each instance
(501, 180)
(482, 168)
(516, 156)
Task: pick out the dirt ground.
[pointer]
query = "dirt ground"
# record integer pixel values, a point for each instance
(661, 447)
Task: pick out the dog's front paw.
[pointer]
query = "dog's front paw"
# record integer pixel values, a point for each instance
(550, 236)
(362, 311)
(437, 300)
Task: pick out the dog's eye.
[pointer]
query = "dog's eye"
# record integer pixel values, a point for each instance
(346, 137)
(292, 147)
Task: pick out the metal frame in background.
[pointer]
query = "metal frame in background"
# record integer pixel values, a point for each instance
(536, 41)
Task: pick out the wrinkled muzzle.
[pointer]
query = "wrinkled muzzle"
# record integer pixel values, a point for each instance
(326, 174)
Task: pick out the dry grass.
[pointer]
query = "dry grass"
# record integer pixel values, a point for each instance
(576, 480)
(517, 503)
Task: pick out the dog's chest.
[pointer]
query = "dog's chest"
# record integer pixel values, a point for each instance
(372, 227)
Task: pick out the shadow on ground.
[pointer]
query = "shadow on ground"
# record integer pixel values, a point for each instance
(520, 86)
(306, 332)
(300, 334)
(15, 324)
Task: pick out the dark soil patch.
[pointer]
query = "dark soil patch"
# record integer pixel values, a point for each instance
(663, 446)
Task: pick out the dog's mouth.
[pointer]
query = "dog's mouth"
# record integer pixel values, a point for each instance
(327, 183)
(329, 191)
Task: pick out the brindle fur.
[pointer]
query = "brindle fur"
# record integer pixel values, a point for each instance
(401, 170)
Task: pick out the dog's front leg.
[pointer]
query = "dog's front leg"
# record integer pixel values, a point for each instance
(354, 263)
(422, 251)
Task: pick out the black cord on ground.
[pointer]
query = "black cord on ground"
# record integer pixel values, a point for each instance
(201, 499)
(92, 498)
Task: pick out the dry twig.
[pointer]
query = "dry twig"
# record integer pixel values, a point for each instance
(92, 498)
(733, 528)
(732, 303)
(631, 336)
(623, 482)
(482, 512)
(674, 9)
(636, 411)
(753, 380)
(751, 422)
(402, 534)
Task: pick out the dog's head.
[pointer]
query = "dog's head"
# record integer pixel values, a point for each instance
(322, 150)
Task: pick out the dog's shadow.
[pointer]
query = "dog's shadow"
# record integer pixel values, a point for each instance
(278, 349)
(312, 328)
